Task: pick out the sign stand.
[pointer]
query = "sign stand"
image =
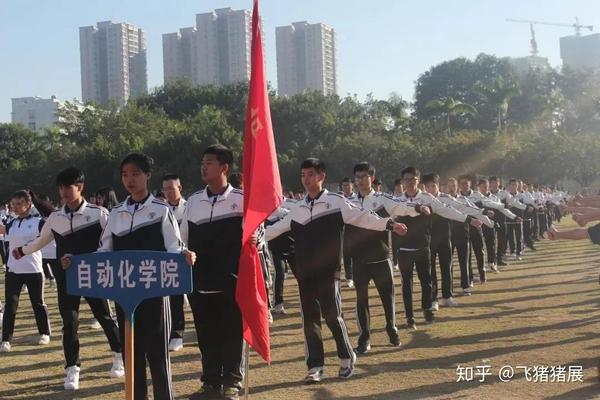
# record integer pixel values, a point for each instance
(129, 363)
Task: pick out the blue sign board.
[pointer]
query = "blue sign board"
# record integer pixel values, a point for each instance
(128, 277)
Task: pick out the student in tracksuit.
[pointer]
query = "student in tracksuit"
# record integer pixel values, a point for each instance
(347, 190)
(143, 223)
(371, 256)
(76, 229)
(514, 230)
(212, 227)
(441, 239)
(171, 188)
(316, 224)
(24, 271)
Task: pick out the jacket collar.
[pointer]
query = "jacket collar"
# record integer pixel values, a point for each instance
(79, 210)
(206, 194)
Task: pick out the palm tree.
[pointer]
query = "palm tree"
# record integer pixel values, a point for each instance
(499, 94)
(448, 107)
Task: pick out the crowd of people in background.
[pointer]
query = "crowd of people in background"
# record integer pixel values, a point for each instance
(353, 236)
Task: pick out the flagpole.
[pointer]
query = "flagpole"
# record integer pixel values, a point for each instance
(246, 370)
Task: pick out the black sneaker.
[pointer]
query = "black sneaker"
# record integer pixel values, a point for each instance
(231, 393)
(429, 318)
(395, 340)
(411, 325)
(363, 348)
(207, 392)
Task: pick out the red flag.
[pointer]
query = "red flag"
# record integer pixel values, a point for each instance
(262, 195)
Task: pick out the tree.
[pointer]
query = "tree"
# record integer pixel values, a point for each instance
(450, 107)
(499, 95)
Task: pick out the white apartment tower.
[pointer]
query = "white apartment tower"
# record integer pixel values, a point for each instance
(306, 58)
(113, 62)
(216, 51)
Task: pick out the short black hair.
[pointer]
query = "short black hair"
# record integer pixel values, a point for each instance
(410, 170)
(482, 181)
(397, 181)
(346, 180)
(315, 163)
(494, 178)
(22, 194)
(70, 176)
(223, 153)
(170, 177)
(512, 180)
(364, 167)
(140, 160)
(432, 177)
(465, 176)
(376, 182)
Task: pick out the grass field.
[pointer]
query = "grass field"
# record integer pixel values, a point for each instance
(542, 311)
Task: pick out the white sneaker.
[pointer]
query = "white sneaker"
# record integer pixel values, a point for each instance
(95, 324)
(278, 309)
(350, 283)
(5, 347)
(347, 366)
(435, 306)
(44, 339)
(449, 302)
(518, 258)
(471, 284)
(270, 317)
(396, 267)
(186, 301)
(314, 375)
(176, 344)
(118, 369)
(72, 379)
(494, 267)
(466, 292)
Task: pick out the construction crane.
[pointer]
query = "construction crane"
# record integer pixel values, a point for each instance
(534, 48)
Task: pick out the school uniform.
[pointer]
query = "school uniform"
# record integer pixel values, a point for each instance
(371, 260)
(212, 227)
(146, 225)
(177, 301)
(316, 224)
(75, 232)
(25, 271)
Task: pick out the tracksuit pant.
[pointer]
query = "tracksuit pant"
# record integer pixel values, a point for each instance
(177, 316)
(515, 237)
(381, 273)
(441, 250)
(501, 240)
(321, 295)
(476, 240)
(69, 312)
(408, 260)
(462, 246)
(152, 325)
(489, 236)
(12, 290)
(218, 323)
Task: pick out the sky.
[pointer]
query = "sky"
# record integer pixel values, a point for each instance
(382, 45)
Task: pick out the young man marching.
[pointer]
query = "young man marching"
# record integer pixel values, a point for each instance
(316, 224)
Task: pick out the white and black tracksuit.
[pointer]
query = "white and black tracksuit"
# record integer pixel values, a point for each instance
(212, 227)
(415, 248)
(25, 271)
(316, 227)
(176, 302)
(370, 255)
(442, 230)
(147, 225)
(75, 232)
(503, 221)
(529, 216)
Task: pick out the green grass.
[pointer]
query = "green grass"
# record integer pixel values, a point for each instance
(544, 310)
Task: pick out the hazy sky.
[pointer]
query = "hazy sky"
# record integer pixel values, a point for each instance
(383, 46)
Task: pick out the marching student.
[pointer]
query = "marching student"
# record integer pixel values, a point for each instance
(347, 190)
(371, 256)
(475, 234)
(514, 230)
(171, 187)
(143, 223)
(415, 249)
(501, 219)
(441, 233)
(76, 229)
(212, 227)
(25, 271)
(531, 214)
(316, 224)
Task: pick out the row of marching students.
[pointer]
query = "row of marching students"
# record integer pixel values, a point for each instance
(427, 225)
